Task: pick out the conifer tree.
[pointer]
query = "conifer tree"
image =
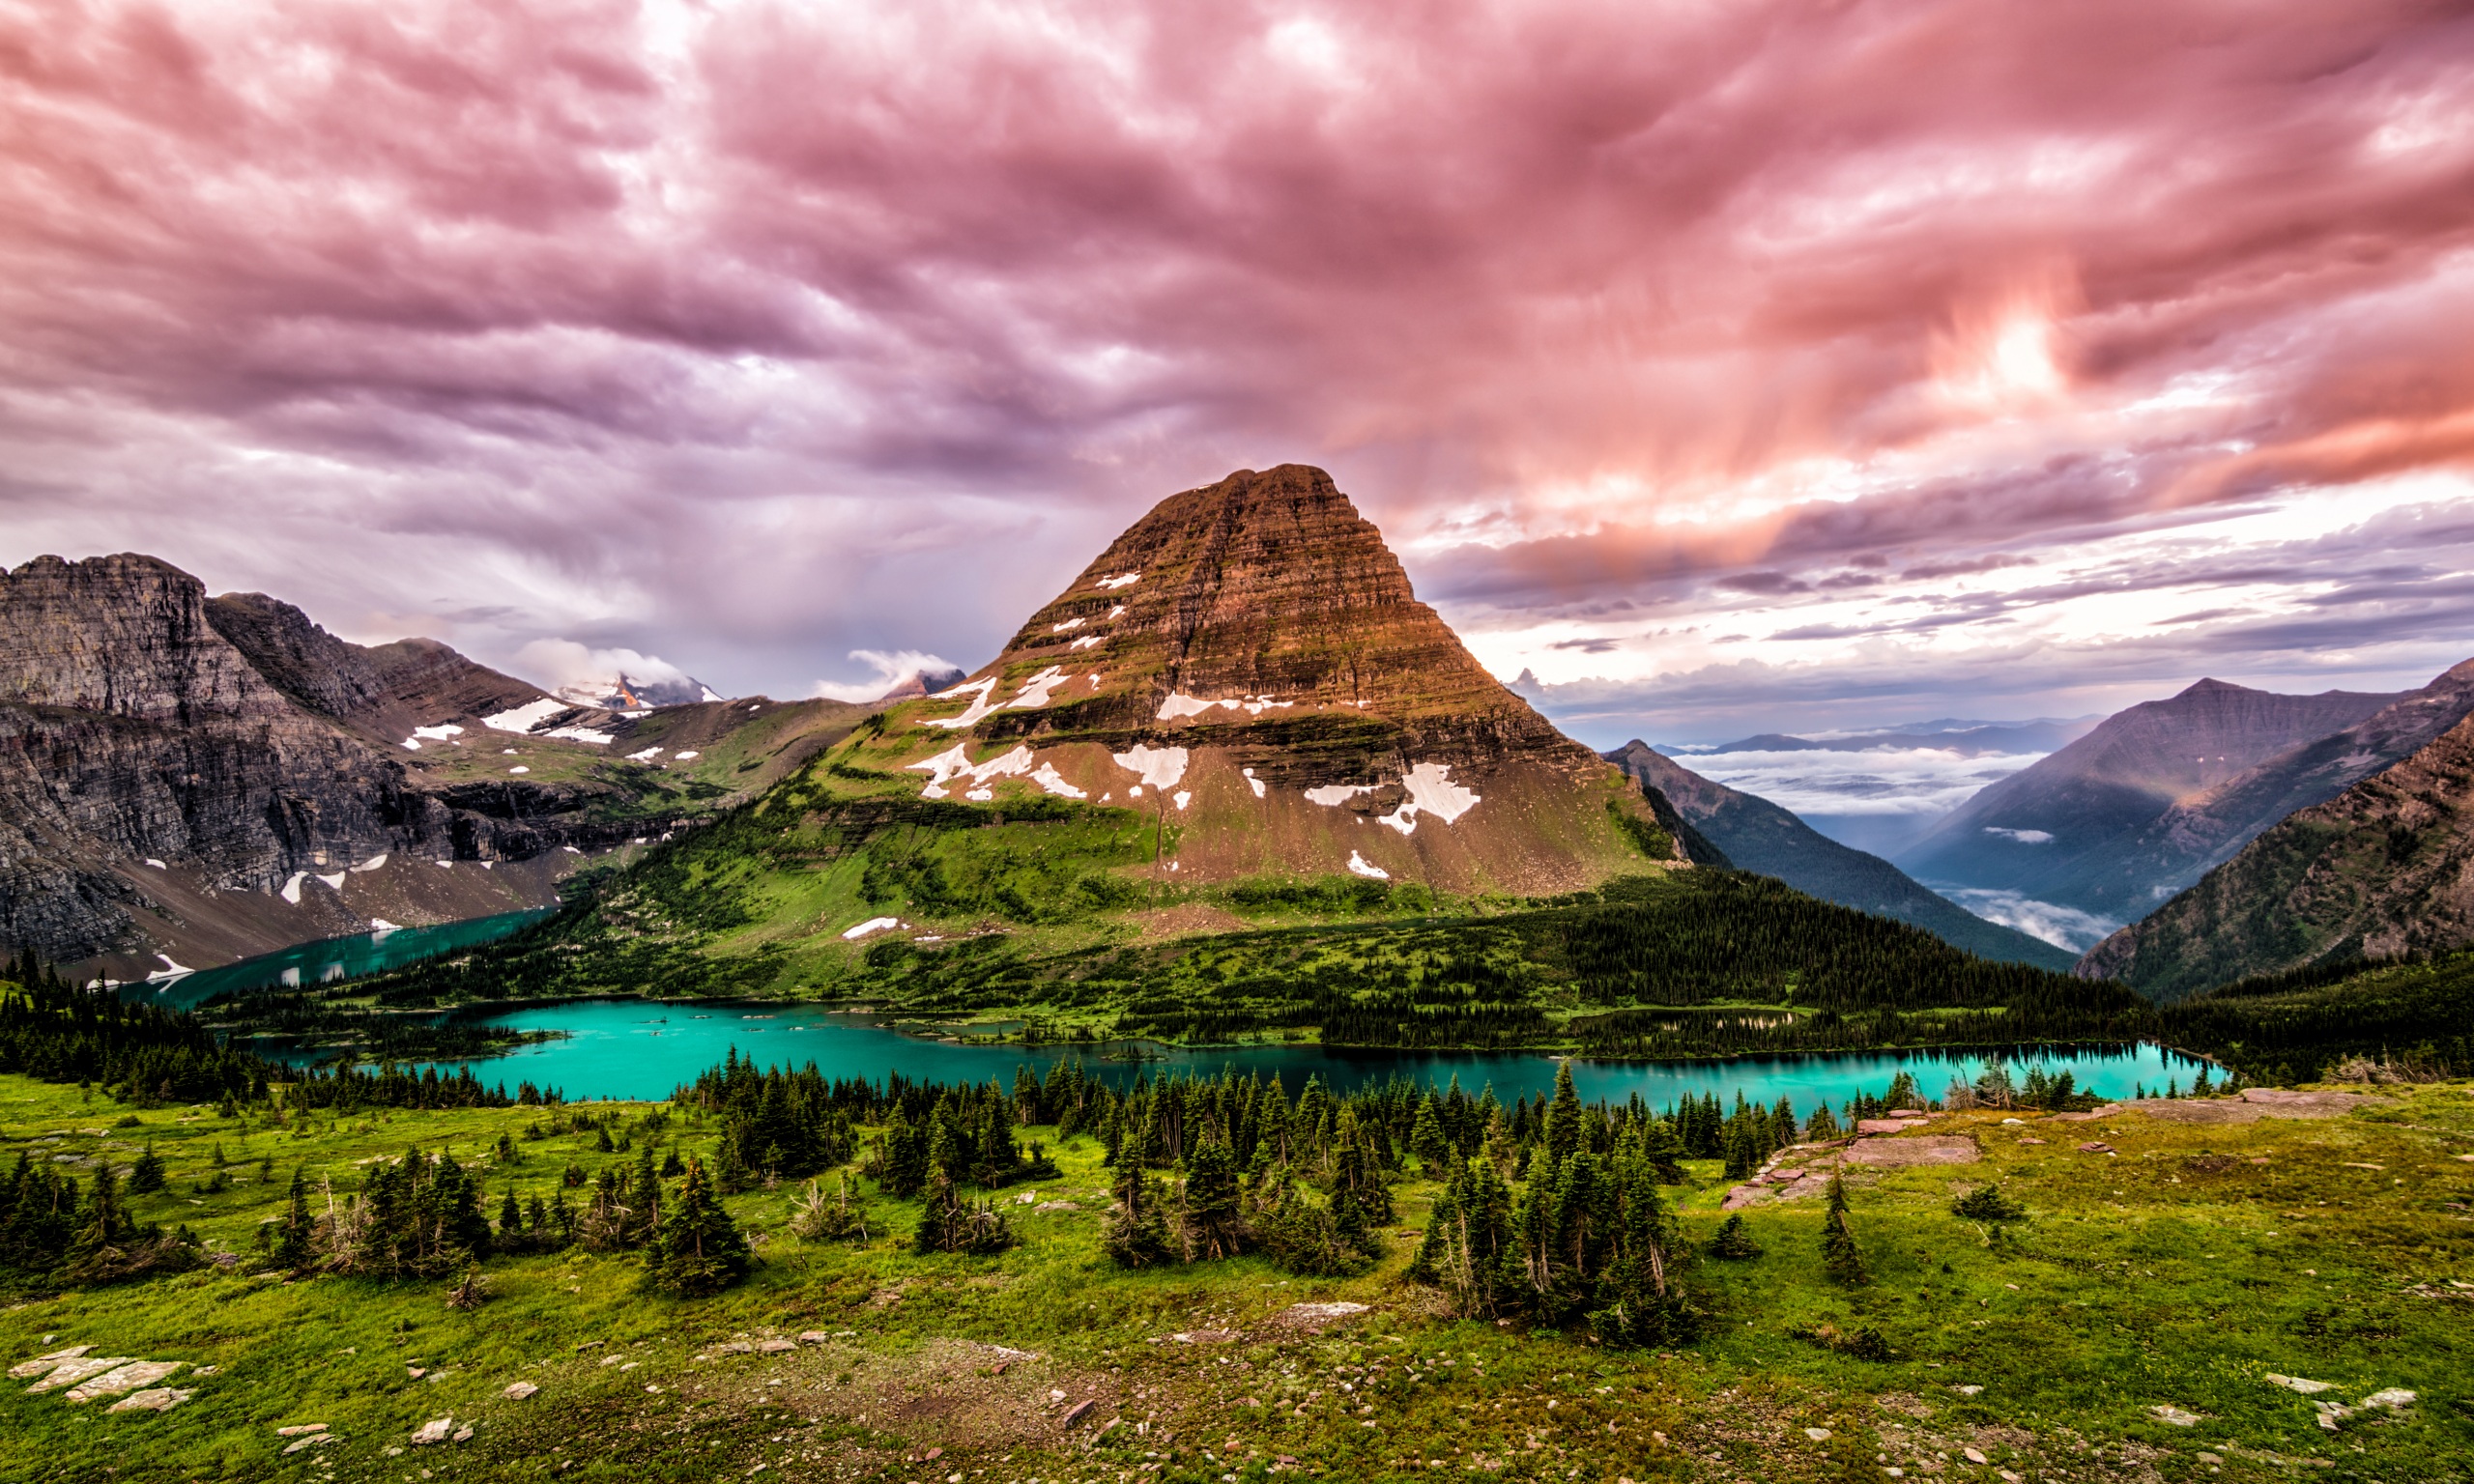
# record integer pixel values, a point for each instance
(146, 1175)
(1428, 1142)
(1561, 1133)
(1211, 1224)
(292, 1247)
(1732, 1244)
(1840, 1257)
(1136, 1232)
(699, 1249)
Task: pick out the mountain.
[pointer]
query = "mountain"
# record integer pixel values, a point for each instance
(1249, 663)
(187, 781)
(921, 683)
(1758, 836)
(2383, 869)
(2069, 828)
(619, 691)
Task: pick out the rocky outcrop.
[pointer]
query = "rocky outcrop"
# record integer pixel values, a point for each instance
(2385, 868)
(1758, 836)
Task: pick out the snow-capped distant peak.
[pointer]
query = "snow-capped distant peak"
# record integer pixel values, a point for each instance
(623, 692)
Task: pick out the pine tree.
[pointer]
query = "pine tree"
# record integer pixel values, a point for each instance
(1211, 1224)
(146, 1175)
(1987, 1203)
(1563, 1123)
(1733, 1243)
(699, 1249)
(1840, 1257)
(953, 1224)
(1428, 1142)
(1136, 1232)
(292, 1247)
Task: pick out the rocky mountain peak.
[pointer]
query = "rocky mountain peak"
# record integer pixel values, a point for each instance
(1264, 607)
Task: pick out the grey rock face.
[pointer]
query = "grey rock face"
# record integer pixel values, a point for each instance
(233, 738)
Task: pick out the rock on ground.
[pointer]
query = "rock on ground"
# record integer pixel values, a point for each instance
(132, 1376)
(164, 1399)
(1904, 1152)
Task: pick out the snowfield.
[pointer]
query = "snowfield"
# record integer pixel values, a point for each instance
(1180, 704)
(1067, 627)
(955, 762)
(1047, 778)
(1431, 791)
(1111, 584)
(871, 926)
(1333, 795)
(1037, 690)
(646, 756)
(1158, 767)
(525, 717)
(1358, 866)
(1252, 781)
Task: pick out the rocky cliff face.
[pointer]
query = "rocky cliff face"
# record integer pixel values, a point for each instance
(2385, 869)
(190, 781)
(1759, 836)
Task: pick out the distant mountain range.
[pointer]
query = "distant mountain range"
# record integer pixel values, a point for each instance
(1968, 739)
(2087, 826)
(1758, 836)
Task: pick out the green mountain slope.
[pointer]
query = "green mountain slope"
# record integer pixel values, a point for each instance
(1758, 836)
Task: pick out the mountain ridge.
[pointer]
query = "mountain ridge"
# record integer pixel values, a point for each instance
(1759, 836)
(2384, 870)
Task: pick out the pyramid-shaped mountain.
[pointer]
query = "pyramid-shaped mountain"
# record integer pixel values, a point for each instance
(1249, 662)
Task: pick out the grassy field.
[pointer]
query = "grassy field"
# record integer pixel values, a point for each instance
(2176, 1271)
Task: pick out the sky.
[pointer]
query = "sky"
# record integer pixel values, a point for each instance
(1765, 366)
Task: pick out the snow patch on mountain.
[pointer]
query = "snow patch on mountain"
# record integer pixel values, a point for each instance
(1158, 767)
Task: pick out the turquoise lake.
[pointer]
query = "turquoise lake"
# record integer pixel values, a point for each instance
(643, 1048)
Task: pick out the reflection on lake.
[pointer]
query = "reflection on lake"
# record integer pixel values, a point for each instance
(330, 960)
(645, 1049)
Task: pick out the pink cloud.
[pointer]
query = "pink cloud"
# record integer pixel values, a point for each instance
(631, 294)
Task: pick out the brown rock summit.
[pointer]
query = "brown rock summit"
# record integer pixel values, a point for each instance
(1264, 612)
(1249, 663)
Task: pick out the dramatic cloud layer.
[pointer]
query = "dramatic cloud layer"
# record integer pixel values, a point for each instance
(1766, 365)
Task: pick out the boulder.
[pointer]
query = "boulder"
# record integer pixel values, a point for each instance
(813, 1337)
(27, 1370)
(2298, 1383)
(435, 1430)
(159, 1399)
(2173, 1415)
(776, 1347)
(519, 1390)
(299, 1429)
(68, 1373)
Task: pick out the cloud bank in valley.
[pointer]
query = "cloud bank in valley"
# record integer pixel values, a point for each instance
(1756, 367)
